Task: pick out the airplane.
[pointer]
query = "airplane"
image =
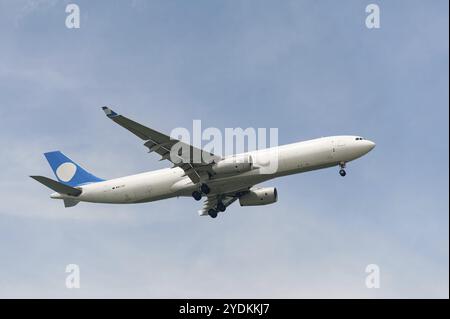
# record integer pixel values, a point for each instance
(220, 180)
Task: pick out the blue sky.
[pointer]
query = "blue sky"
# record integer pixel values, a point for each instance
(309, 68)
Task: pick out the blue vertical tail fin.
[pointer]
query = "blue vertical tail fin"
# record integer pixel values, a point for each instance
(67, 171)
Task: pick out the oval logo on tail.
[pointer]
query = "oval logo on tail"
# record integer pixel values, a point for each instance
(66, 171)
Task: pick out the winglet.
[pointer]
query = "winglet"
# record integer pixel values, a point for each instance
(109, 113)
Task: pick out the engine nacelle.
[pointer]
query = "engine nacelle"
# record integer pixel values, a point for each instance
(234, 165)
(259, 196)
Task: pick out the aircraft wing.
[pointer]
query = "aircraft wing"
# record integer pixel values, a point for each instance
(195, 162)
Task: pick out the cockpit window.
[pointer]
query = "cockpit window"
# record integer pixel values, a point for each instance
(359, 139)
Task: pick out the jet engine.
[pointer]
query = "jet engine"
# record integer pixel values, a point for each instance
(234, 165)
(259, 196)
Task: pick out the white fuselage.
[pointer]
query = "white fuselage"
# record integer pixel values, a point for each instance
(171, 182)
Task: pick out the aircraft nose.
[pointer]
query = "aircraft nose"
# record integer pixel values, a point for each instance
(370, 145)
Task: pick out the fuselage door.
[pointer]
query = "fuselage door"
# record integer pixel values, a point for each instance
(337, 147)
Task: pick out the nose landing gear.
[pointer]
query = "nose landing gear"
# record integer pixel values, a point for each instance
(342, 171)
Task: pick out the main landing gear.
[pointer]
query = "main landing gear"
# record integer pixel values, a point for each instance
(203, 189)
(197, 195)
(212, 212)
(342, 171)
(219, 208)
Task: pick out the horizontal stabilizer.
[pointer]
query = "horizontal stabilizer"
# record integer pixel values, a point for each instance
(57, 186)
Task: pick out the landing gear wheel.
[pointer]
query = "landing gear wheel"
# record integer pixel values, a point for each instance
(212, 213)
(342, 172)
(205, 189)
(197, 195)
(221, 207)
